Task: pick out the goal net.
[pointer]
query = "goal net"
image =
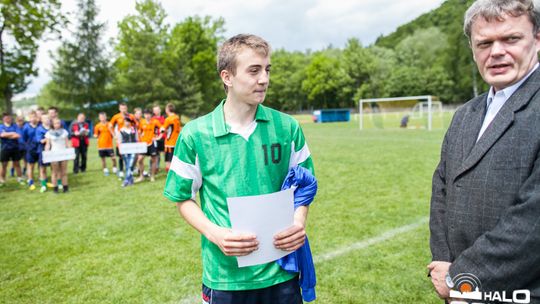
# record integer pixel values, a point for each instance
(412, 112)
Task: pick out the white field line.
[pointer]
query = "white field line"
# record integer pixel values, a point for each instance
(372, 241)
(347, 249)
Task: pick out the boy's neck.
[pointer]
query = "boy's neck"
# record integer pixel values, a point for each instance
(238, 114)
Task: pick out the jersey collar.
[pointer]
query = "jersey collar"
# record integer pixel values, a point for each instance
(218, 119)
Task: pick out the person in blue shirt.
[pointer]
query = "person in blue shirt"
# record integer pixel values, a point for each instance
(40, 142)
(32, 155)
(20, 123)
(10, 148)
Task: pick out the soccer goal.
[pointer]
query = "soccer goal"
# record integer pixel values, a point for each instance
(411, 112)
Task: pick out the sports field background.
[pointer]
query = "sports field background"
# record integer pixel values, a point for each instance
(101, 243)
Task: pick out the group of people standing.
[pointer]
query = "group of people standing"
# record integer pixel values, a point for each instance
(45, 131)
(26, 141)
(149, 126)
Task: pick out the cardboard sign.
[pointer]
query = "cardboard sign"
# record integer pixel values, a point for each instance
(133, 148)
(58, 155)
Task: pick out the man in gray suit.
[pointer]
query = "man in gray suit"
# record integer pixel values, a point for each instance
(485, 205)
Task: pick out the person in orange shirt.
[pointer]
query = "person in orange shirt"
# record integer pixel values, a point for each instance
(116, 123)
(105, 143)
(149, 133)
(171, 128)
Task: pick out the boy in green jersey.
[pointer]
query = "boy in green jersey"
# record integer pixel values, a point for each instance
(242, 148)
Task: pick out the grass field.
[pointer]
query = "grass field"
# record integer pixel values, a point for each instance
(101, 243)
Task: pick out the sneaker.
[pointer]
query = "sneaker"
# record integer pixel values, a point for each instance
(152, 179)
(120, 174)
(32, 187)
(145, 174)
(60, 187)
(139, 179)
(55, 189)
(66, 189)
(21, 181)
(106, 172)
(114, 170)
(43, 189)
(50, 185)
(125, 183)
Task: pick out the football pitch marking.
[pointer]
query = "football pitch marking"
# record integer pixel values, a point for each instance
(372, 241)
(347, 249)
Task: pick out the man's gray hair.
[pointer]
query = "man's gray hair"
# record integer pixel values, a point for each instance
(497, 9)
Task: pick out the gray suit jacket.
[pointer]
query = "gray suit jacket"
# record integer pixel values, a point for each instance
(485, 205)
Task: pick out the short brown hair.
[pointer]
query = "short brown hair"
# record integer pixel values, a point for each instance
(231, 47)
(170, 107)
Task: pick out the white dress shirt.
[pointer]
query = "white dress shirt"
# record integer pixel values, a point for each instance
(495, 101)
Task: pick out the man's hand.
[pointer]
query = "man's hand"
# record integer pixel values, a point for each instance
(233, 244)
(438, 271)
(291, 238)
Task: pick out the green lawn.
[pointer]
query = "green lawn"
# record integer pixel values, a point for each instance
(101, 243)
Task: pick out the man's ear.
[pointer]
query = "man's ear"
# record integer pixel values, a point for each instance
(226, 77)
(472, 50)
(537, 41)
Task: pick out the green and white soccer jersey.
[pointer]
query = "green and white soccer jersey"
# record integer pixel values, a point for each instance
(212, 159)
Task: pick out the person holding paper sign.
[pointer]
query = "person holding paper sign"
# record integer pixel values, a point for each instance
(79, 131)
(242, 148)
(128, 134)
(57, 139)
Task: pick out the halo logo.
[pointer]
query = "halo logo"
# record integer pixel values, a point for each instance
(467, 290)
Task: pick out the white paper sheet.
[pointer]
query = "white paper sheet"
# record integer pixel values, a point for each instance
(133, 148)
(265, 216)
(58, 155)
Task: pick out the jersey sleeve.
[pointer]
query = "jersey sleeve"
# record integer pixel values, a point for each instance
(184, 178)
(300, 154)
(113, 121)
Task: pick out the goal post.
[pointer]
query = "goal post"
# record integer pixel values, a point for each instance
(425, 102)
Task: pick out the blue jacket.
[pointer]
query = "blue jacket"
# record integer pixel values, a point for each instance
(301, 261)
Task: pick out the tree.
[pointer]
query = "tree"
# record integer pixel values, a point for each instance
(420, 69)
(22, 24)
(288, 71)
(325, 80)
(190, 60)
(81, 69)
(383, 62)
(140, 66)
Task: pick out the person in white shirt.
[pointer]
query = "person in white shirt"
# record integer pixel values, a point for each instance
(57, 140)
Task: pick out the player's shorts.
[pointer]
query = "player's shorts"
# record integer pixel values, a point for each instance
(106, 153)
(32, 156)
(169, 152)
(41, 163)
(151, 150)
(161, 145)
(283, 293)
(7, 155)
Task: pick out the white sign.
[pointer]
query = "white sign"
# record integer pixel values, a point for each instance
(133, 148)
(58, 155)
(265, 216)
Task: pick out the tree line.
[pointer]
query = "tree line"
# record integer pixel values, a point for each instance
(151, 61)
